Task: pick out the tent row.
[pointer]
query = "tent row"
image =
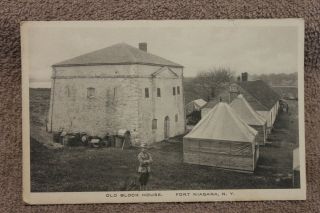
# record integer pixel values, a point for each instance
(251, 117)
(228, 136)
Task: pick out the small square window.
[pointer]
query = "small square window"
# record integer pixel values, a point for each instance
(178, 90)
(114, 92)
(158, 92)
(154, 124)
(67, 91)
(146, 92)
(174, 91)
(91, 92)
(176, 117)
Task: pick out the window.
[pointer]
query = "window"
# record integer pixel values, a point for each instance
(158, 92)
(114, 92)
(146, 92)
(154, 124)
(178, 90)
(108, 97)
(174, 90)
(108, 93)
(91, 92)
(67, 91)
(176, 117)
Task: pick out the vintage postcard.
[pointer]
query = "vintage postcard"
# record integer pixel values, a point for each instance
(163, 111)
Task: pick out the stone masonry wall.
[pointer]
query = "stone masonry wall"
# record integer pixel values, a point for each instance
(113, 107)
(119, 101)
(159, 107)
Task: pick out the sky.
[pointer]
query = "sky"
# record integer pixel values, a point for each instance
(198, 47)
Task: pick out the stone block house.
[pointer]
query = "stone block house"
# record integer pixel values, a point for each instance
(115, 88)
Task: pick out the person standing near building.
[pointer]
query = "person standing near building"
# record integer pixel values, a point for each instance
(145, 159)
(63, 137)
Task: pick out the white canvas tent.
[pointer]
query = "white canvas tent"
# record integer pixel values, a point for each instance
(251, 117)
(296, 168)
(222, 139)
(195, 105)
(296, 160)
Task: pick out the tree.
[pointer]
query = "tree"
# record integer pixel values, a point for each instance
(210, 82)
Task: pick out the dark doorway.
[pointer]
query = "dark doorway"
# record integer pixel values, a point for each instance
(166, 127)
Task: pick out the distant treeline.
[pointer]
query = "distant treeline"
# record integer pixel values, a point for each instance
(207, 84)
(281, 79)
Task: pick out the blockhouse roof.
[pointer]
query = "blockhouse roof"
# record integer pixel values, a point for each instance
(117, 54)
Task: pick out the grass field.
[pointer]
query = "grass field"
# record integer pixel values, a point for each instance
(110, 169)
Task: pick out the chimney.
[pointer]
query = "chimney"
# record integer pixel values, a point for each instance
(143, 46)
(244, 76)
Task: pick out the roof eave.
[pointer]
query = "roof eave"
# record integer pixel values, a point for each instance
(120, 63)
(217, 139)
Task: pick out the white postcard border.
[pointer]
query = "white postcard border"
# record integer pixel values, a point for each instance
(161, 196)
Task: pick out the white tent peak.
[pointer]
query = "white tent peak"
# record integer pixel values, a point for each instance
(223, 123)
(200, 102)
(195, 105)
(246, 112)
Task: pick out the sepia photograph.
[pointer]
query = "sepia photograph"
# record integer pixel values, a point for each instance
(163, 111)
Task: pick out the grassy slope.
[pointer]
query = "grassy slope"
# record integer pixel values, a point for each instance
(39, 105)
